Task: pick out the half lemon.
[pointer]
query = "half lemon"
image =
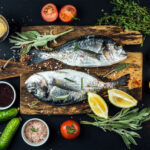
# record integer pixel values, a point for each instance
(98, 105)
(121, 99)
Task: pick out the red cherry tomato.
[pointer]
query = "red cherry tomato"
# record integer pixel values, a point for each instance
(70, 129)
(49, 12)
(67, 13)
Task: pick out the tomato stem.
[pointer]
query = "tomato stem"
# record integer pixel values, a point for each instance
(71, 129)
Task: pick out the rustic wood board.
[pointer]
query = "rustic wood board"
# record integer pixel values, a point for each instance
(13, 69)
(123, 37)
(134, 86)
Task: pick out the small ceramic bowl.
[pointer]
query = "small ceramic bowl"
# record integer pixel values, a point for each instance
(14, 99)
(6, 34)
(31, 143)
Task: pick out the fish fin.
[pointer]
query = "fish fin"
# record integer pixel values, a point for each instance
(122, 81)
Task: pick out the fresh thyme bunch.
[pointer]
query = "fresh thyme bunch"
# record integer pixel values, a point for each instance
(129, 14)
(124, 123)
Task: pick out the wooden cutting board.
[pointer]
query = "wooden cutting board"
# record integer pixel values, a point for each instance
(122, 36)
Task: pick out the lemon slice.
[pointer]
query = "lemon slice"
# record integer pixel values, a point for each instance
(121, 99)
(98, 105)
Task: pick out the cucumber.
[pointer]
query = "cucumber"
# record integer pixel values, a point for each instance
(9, 133)
(8, 114)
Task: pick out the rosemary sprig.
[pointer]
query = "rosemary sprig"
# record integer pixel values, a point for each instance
(33, 104)
(124, 123)
(69, 79)
(129, 14)
(82, 83)
(30, 39)
(76, 46)
(62, 97)
(34, 130)
(118, 68)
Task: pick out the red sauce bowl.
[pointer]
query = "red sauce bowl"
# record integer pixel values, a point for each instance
(8, 92)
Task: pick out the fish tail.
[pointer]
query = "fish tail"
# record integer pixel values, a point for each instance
(37, 56)
(122, 81)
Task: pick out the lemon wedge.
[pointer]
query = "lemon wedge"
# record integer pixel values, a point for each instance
(121, 99)
(98, 105)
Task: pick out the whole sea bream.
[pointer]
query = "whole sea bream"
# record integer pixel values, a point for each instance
(66, 86)
(86, 51)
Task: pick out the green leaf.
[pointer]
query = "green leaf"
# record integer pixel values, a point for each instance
(132, 140)
(31, 35)
(76, 46)
(62, 97)
(82, 83)
(13, 47)
(26, 50)
(34, 104)
(39, 43)
(34, 130)
(22, 36)
(69, 79)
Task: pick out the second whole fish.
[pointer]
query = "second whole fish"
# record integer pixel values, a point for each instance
(66, 86)
(86, 51)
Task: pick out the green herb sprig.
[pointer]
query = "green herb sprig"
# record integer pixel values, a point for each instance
(34, 104)
(129, 14)
(62, 97)
(34, 130)
(69, 79)
(76, 46)
(30, 39)
(124, 123)
(118, 68)
(82, 83)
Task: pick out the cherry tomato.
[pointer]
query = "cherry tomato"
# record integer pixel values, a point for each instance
(70, 129)
(49, 12)
(67, 13)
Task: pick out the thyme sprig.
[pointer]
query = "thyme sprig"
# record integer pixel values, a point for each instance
(30, 39)
(124, 123)
(129, 14)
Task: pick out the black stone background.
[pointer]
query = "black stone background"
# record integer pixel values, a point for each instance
(27, 12)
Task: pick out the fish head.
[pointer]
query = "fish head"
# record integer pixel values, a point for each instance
(37, 86)
(114, 53)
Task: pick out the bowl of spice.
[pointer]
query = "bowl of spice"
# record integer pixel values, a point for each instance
(35, 132)
(7, 95)
(4, 28)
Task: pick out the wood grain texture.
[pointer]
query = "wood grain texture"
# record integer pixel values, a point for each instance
(134, 86)
(13, 69)
(123, 37)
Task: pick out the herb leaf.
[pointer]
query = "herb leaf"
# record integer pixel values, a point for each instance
(34, 130)
(76, 46)
(123, 123)
(62, 97)
(69, 79)
(33, 104)
(118, 68)
(82, 83)
(129, 14)
(34, 39)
